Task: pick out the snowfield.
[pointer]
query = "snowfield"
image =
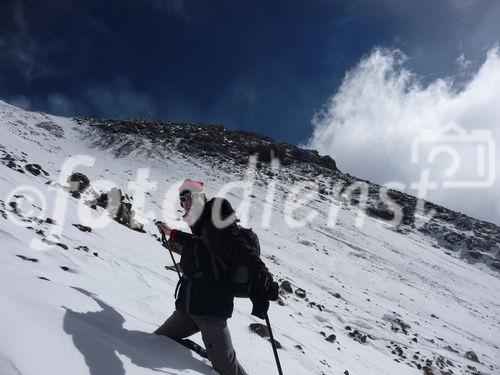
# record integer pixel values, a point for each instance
(363, 299)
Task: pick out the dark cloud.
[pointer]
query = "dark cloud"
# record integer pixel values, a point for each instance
(49, 39)
(19, 49)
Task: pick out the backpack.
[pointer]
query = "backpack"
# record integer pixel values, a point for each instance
(240, 279)
(238, 276)
(241, 274)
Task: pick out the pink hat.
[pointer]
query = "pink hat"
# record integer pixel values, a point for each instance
(192, 186)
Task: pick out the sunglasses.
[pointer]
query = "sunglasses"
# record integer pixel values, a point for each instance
(184, 198)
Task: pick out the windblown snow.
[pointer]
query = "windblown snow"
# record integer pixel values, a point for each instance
(355, 299)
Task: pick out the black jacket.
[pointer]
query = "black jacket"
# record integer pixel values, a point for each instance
(207, 256)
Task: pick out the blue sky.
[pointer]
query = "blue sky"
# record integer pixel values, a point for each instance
(267, 66)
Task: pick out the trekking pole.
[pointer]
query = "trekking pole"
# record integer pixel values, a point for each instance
(191, 345)
(275, 351)
(167, 246)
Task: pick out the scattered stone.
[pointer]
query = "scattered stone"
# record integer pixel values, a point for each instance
(35, 169)
(95, 254)
(276, 343)
(300, 293)
(286, 286)
(50, 221)
(358, 336)
(259, 329)
(317, 305)
(331, 338)
(15, 207)
(78, 182)
(346, 372)
(61, 245)
(43, 278)
(48, 242)
(101, 201)
(11, 164)
(82, 247)
(336, 295)
(83, 228)
(397, 324)
(397, 351)
(53, 243)
(449, 348)
(64, 268)
(427, 370)
(34, 260)
(471, 356)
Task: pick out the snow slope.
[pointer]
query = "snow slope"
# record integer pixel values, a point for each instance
(396, 302)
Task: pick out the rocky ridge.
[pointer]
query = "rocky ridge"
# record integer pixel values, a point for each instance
(472, 239)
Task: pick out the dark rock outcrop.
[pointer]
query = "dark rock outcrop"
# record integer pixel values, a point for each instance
(286, 286)
(35, 169)
(78, 182)
(207, 140)
(120, 207)
(52, 128)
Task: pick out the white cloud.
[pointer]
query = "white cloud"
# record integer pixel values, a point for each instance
(368, 125)
(463, 63)
(117, 98)
(62, 105)
(21, 101)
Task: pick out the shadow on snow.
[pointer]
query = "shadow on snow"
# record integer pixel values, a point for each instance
(100, 336)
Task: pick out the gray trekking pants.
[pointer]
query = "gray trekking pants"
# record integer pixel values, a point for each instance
(215, 335)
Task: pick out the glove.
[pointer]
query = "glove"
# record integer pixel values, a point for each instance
(261, 281)
(260, 305)
(163, 228)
